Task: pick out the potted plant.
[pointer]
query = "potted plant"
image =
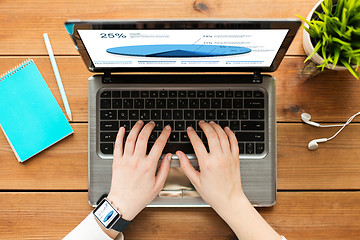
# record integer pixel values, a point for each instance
(331, 37)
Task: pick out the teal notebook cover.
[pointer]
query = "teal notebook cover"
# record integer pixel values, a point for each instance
(30, 117)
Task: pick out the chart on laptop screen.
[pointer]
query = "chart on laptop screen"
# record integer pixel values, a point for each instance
(182, 48)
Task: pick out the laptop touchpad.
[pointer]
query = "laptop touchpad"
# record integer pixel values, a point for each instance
(177, 180)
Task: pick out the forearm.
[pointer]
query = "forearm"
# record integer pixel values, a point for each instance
(245, 221)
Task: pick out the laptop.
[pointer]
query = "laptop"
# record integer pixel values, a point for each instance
(178, 72)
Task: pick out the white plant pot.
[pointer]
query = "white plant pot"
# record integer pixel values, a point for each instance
(308, 46)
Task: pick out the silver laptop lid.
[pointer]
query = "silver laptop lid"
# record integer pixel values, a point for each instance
(183, 45)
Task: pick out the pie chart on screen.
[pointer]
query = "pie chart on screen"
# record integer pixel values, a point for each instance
(178, 50)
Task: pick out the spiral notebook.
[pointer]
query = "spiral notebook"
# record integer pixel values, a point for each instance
(30, 117)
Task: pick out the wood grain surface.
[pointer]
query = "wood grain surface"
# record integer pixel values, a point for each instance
(297, 215)
(46, 197)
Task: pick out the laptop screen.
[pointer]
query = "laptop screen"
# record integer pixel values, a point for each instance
(193, 45)
(182, 48)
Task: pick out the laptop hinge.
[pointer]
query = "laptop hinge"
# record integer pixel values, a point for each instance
(107, 77)
(257, 77)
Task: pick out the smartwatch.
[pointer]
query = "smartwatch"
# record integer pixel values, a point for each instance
(109, 216)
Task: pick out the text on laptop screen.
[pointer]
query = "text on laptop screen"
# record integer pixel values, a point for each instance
(182, 48)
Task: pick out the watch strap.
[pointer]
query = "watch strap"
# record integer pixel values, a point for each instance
(120, 224)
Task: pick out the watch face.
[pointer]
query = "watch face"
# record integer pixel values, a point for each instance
(106, 214)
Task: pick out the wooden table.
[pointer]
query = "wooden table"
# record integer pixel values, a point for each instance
(46, 197)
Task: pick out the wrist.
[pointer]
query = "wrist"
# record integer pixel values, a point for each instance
(234, 203)
(110, 232)
(124, 210)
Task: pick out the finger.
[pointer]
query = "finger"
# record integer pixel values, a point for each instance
(160, 143)
(163, 172)
(211, 135)
(189, 170)
(234, 146)
(118, 149)
(143, 138)
(223, 138)
(131, 139)
(198, 145)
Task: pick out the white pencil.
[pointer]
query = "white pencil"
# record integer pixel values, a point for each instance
(57, 75)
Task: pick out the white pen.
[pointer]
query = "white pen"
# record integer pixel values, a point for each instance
(57, 75)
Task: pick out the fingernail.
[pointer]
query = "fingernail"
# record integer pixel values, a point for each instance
(201, 121)
(227, 128)
(140, 122)
(167, 127)
(190, 128)
(212, 122)
(152, 122)
(169, 157)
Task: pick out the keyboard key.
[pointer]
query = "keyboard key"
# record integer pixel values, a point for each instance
(254, 103)
(237, 103)
(210, 94)
(221, 114)
(105, 94)
(134, 114)
(160, 103)
(173, 147)
(248, 94)
(226, 103)
(126, 125)
(220, 94)
(249, 148)
(194, 103)
(224, 124)
(149, 103)
(200, 94)
(153, 136)
(241, 148)
(257, 114)
(155, 114)
(171, 103)
(108, 136)
(170, 123)
(158, 126)
(243, 114)
(166, 114)
(215, 103)
(125, 94)
(252, 125)
(116, 103)
(177, 114)
(234, 125)
(107, 114)
(128, 103)
(199, 114)
(123, 114)
(184, 137)
(232, 114)
(182, 94)
(109, 125)
(144, 94)
(163, 94)
(204, 103)
(105, 103)
(116, 94)
(183, 103)
(229, 94)
(260, 147)
(190, 124)
(180, 125)
(188, 114)
(210, 114)
(250, 136)
(174, 137)
(191, 94)
(154, 94)
(258, 94)
(239, 94)
(139, 103)
(144, 114)
(172, 94)
(107, 148)
(135, 94)
(132, 124)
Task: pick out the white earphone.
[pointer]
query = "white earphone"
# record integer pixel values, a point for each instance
(313, 145)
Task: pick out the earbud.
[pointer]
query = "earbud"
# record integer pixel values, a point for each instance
(306, 119)
(313, 145)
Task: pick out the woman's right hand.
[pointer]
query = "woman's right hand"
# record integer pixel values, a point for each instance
(218, 181)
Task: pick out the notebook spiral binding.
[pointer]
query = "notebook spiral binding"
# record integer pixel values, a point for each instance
(15, 69)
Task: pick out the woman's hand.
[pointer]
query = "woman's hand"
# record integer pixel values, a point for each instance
(134, 184)
(218, 181)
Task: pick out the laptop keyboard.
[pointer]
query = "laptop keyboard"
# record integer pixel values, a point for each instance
(241, 110)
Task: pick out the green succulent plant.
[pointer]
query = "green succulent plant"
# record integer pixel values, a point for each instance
(336, 34)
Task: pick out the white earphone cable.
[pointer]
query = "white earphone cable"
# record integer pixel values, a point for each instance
(343, 126)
